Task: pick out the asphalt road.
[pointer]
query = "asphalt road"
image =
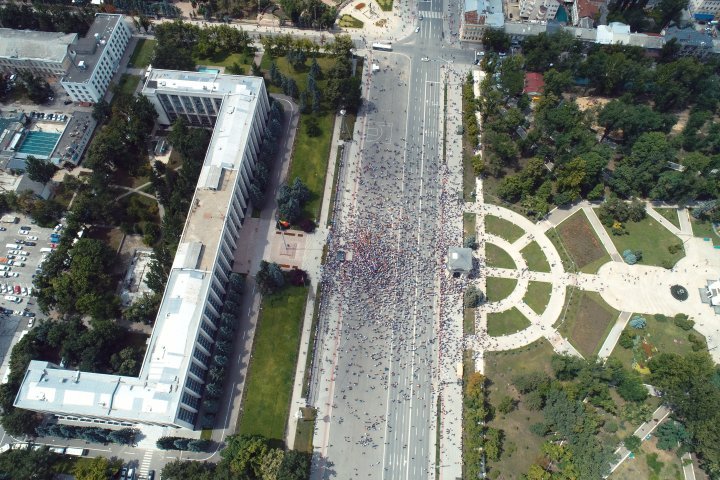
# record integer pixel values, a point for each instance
(379, 321)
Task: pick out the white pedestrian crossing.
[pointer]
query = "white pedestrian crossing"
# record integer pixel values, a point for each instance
(145, 464)
(428, 14)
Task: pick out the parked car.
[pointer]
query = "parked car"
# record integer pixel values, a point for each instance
(23, 232)
(32, 237)
(24, 253)
(30, 244)
(14, 274)
(13, 298)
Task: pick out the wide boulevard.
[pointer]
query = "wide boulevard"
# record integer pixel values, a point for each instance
(376, 366)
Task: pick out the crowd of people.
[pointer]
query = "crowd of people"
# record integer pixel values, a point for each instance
(389, 304)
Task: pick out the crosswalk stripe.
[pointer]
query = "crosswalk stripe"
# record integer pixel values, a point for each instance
(145, 464)
(429, 14)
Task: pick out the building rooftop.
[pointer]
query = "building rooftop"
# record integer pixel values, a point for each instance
(70, 148)
(89, 48)
(460, 259)
(33, 45)
(689, 37)
(484, 12)
(154, 396)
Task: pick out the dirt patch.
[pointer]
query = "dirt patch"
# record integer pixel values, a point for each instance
(682, 121)
(585, 103)
(580, 240)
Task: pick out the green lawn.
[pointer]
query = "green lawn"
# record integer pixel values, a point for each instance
(538, 296)
(702, 228)
(501, 368)
(507, 322)
(275, 349)
(588, 320)
(300, 76)
(502, 228)
(385, 5)
(310, 157)
(650, 237)
(499, 288)
(497, 257)
(128, 84)
(226, 61)
(468, 321)
(305, 430)
(535, 258)
(348, 21)
(310, 160)
(671, 214)
(657, 337)
(469, 224)
(142, 55)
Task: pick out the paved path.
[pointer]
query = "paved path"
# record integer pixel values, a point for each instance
(642, 432)
(660, 219)
(687, 466)
(614, 335)
(312, 264)
(602, 234)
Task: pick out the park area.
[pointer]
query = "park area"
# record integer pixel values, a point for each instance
(506, 322)
(661, 334)
(311, 149)
(142, 55)
(502, 228)
(578, 245)
(497, 257)
(654, 241)
(586, 320)
(520, 446)
(497, 289)
(537, 296)
(535, 258)
(271, 371)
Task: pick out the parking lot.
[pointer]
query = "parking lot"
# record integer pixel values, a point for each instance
(16, 275)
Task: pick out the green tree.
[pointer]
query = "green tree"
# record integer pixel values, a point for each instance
(39, 170)
(632, 443)
(98, 468)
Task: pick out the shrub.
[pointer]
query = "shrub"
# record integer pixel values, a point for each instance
(626, 339)
(473, 297)
(683, 321)
(307, 225)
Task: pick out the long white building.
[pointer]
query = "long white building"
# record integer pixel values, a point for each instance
(96, 58)
(168, 390)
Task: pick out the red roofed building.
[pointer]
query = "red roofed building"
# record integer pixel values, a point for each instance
(534, 85)
(584, 12)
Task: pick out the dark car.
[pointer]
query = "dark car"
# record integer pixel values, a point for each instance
(30, 244)
(67, 102)
(29, 314)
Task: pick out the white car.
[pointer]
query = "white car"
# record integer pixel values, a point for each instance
(14, 252)
(24, 254)
(33, 238)
(14, 274)
(4, 268)
(417, 29)
(24, 232)
(425, 59)
(31, 322)
(24, 291)
(13, 298)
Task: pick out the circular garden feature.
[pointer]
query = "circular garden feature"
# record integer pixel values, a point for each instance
(679, 292)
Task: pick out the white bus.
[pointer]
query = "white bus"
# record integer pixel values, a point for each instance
(382, 46)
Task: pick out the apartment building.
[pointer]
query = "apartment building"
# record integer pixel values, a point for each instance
(95, 58)
(169, 387)
(539, 10)
(41, 53)
(479, 15)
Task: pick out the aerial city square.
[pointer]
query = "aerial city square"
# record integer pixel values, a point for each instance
(360, 239)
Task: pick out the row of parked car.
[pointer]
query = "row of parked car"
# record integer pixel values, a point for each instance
(50, 117)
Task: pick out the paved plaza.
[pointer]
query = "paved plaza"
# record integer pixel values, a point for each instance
(627, 288)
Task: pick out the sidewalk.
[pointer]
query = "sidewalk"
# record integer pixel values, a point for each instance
(602, 234)
(609, 344)
(642, 432)
(312, 263)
